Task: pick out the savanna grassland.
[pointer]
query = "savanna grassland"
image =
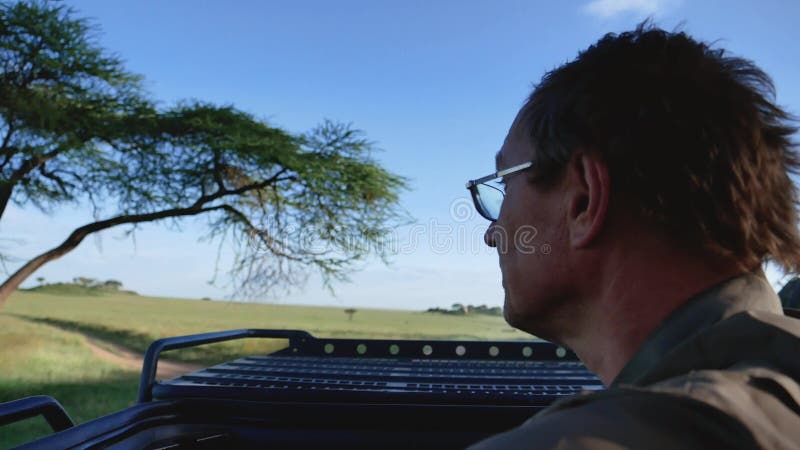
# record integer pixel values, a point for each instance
(49, 341)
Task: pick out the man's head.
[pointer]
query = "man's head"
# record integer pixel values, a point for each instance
(650, 137)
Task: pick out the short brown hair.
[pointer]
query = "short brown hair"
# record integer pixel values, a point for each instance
(692, 138)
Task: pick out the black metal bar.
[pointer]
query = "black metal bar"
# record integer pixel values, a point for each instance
(25, 408)
(433, 349)
(150, 364)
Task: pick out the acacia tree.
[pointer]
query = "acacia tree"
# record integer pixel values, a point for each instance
(77, 128)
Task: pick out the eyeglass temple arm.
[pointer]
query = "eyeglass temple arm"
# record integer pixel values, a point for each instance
(498, 174)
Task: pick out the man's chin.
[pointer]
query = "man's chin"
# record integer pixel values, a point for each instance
(509, 314)
(535, 323)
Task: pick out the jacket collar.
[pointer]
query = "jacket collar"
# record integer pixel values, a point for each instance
(748, 292)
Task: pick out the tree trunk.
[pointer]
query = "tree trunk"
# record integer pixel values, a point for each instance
(13, 282)
(77, 236)
(5, 196)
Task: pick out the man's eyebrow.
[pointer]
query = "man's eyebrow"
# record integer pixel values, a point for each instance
(498, 158)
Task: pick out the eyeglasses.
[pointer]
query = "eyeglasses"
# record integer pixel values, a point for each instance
(488, 199)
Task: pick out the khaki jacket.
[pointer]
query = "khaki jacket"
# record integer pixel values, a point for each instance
(723, 371)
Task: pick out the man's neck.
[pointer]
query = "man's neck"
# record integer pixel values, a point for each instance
(637, 291)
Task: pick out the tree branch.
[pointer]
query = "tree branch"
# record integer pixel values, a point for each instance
(79, 234)
(52, 176)
(31, 76)
(30, 164)
(7, 158)
(4, 149)
(241, 190)
(261, 185)
(263, 236)
(218, 173)
(196, 208)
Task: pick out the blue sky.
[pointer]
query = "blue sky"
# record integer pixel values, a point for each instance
(434, 84)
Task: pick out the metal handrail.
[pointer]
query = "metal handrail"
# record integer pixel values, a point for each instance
(150, 364)
(25, 408)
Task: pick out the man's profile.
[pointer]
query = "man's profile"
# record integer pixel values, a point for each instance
(657, 168)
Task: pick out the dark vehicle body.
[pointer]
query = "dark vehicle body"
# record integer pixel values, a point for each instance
(328, 393)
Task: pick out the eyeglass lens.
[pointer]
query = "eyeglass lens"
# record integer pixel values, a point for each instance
(488, 199)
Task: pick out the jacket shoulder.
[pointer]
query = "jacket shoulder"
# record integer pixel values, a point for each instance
(623, 418)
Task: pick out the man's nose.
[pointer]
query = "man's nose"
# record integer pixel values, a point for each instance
(490, 236)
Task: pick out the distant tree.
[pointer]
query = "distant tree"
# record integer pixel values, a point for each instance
(113, 285)
(460, 308)
(76, 128)
(83, 281)
(40, 280)
(350, 313)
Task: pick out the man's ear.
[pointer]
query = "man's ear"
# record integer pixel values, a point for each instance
(589, 192)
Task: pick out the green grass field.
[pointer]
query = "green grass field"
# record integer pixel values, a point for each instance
(44, 349)
(41, 359)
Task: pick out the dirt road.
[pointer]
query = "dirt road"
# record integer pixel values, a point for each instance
(130, 360)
